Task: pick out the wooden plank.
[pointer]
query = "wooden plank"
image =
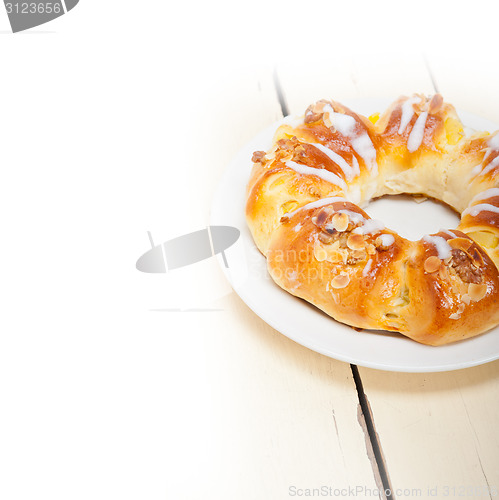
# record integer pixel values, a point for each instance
(448, 415)
(353, 77)
(468, 81)
(436, 430)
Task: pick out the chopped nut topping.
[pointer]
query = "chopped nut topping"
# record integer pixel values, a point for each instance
(460, 243)
(432, 264)
(311, 117)
(464, 267)
(459, 312)
(477, 292)
(340, 222)
(381, 244)
(356, 256)
(258, 156)
(329, 228)
(355, 241)
(322, 216)
(325, 238)
(340, 281)
(327, 121)
(320, 105)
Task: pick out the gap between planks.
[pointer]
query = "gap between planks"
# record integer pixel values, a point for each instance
(364, 414)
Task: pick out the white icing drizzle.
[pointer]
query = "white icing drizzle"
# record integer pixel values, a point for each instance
(417, 133)
(322, 173)
(361, 142)
(387, 239)
(443, 248)
(355, 217)
(493, 164)
(316, 204)
(297, 227)
(370, 226)
(476, 170)
(484, 195)
(493, 144)
(450, 233)
(407, 113)
(481, 207)
(367, 268)
(349, 171)
(344, 124)
(363, 146)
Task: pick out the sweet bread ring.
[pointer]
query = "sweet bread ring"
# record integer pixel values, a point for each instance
(303, 210)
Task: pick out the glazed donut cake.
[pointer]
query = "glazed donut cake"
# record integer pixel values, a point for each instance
(303, 209)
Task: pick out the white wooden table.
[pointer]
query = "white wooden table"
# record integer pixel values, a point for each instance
(300, 421)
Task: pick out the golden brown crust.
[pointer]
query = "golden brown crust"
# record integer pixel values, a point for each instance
(303, 211)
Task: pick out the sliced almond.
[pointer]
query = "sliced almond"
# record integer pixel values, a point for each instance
(460, 243)
(318, 107)
(335, 246)
(340, 281)
(443, 273)
(323, 215)
(359, 254)
(320, 253)
(371, 249)
(463, 288)
(476, 257)
(466, 299)
(356, 242)
(436, 104)
(327, 121)
(432, 264)
(335, 257)
(340, 222)
(477, 292)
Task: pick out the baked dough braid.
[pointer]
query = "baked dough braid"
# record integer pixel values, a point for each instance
(303, 210)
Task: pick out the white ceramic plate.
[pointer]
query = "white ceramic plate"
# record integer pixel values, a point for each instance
(309, 326)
